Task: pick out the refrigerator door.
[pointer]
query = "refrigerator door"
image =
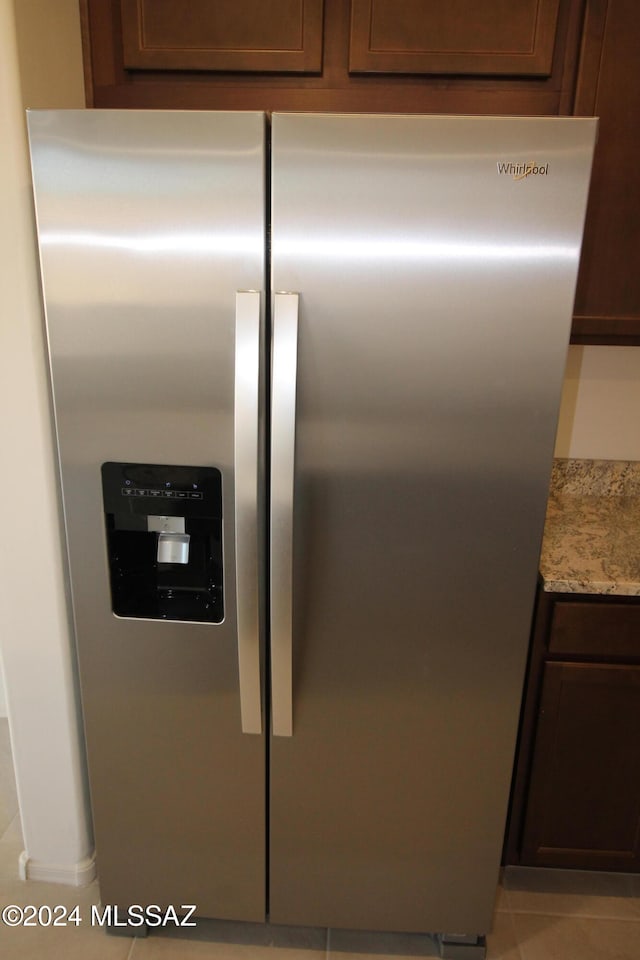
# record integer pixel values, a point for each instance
(435, 261)
(151, 231)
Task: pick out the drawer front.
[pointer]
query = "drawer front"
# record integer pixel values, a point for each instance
(597, 629)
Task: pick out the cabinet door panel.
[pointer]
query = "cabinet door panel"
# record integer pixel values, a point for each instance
(293, 55)
(240, 35)
(584, 798)
(453, 36)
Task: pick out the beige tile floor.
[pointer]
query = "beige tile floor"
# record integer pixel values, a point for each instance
(540, 915)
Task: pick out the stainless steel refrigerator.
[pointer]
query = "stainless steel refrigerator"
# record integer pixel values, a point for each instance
(306, 377)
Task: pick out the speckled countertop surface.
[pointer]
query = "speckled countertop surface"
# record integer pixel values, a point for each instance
(592, 533)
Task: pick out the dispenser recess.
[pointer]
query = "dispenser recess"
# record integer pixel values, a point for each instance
(164, 541)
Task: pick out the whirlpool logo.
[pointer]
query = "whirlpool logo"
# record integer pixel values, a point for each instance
(520, 171)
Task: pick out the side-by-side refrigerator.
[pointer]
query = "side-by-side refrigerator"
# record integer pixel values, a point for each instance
(306, 377)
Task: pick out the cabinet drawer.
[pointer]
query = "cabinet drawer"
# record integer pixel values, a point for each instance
(598, 629)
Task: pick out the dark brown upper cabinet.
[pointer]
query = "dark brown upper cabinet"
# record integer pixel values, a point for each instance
(238, 35)
(513, 57)
(492, 38)
(499, 57)
(607, 307)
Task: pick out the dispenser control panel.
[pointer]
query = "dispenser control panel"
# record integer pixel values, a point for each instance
(168, 494)
(164, 538)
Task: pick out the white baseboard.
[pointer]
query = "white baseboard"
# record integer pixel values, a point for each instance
(72, 874)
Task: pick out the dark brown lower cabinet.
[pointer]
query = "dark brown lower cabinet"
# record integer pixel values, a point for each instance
(576, 791)
(583, 807)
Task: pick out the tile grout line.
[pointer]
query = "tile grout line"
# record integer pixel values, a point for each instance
(516, 940)
(576, 916)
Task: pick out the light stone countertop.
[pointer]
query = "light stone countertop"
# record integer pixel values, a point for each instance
(591, 538)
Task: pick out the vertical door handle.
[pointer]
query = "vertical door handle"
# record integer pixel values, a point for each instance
(246, 452)
(283, 424)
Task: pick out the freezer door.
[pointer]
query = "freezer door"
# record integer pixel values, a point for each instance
(151, 231)
(435, 262)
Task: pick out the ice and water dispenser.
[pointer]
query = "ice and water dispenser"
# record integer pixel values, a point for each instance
(164, 540)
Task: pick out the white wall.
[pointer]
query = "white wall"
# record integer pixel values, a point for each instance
(600, 409)
(49, 53)
(35, 644)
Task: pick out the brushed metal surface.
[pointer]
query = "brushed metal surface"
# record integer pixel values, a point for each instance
(247, 460)
(435, 303)
(283, 442)
(148, 224)
(173, 548)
